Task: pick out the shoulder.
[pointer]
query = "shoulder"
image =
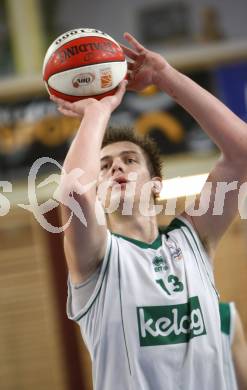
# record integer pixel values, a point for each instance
(181, 225)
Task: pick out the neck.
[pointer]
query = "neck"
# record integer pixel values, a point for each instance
(135, 226)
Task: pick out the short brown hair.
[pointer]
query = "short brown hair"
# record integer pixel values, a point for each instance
(147, 145)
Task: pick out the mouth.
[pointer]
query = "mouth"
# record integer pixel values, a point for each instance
(120, 180)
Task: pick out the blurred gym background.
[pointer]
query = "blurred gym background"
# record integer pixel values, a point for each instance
(206, 39)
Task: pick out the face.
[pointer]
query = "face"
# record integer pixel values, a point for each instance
(123, 173)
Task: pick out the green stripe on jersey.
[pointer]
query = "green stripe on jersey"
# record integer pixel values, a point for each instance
(225, 317)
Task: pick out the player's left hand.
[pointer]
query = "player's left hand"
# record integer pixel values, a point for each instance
(144, 67)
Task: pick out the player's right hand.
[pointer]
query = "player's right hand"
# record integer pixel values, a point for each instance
(78, 109)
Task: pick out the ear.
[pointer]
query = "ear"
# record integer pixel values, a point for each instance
(157, 186)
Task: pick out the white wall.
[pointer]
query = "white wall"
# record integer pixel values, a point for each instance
(117, 16)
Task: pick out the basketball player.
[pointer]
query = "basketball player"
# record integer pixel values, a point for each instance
(234, 346)
(145, 299)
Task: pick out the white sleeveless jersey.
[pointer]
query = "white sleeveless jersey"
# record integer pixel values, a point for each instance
(227, 317)
(153, 320)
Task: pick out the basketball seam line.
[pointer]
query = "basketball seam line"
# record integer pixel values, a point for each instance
(93, 36)
(97, 63)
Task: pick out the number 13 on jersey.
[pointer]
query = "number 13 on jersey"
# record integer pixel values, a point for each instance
(172, 284)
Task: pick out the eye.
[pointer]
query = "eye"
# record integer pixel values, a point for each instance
(130, 160)
(104, 167)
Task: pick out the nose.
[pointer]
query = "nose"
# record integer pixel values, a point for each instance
(117, 165)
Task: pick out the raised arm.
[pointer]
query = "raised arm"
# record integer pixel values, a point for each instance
(226, 130)
(85, 238)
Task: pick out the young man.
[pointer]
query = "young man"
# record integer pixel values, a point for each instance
(145, 300)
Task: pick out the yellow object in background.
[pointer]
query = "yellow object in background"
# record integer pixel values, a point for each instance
(148, 91)
(27, 41)
(168, 124)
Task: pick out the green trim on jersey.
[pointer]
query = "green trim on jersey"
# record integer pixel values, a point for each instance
(96, 296)
(121, 311)
(175, 224)
(178, 224)
(144, 245)
(225, 318)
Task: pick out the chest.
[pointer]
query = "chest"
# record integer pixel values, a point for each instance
(170, 273)
(167, 290)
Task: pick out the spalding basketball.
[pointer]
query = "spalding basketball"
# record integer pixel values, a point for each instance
(83, 63)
